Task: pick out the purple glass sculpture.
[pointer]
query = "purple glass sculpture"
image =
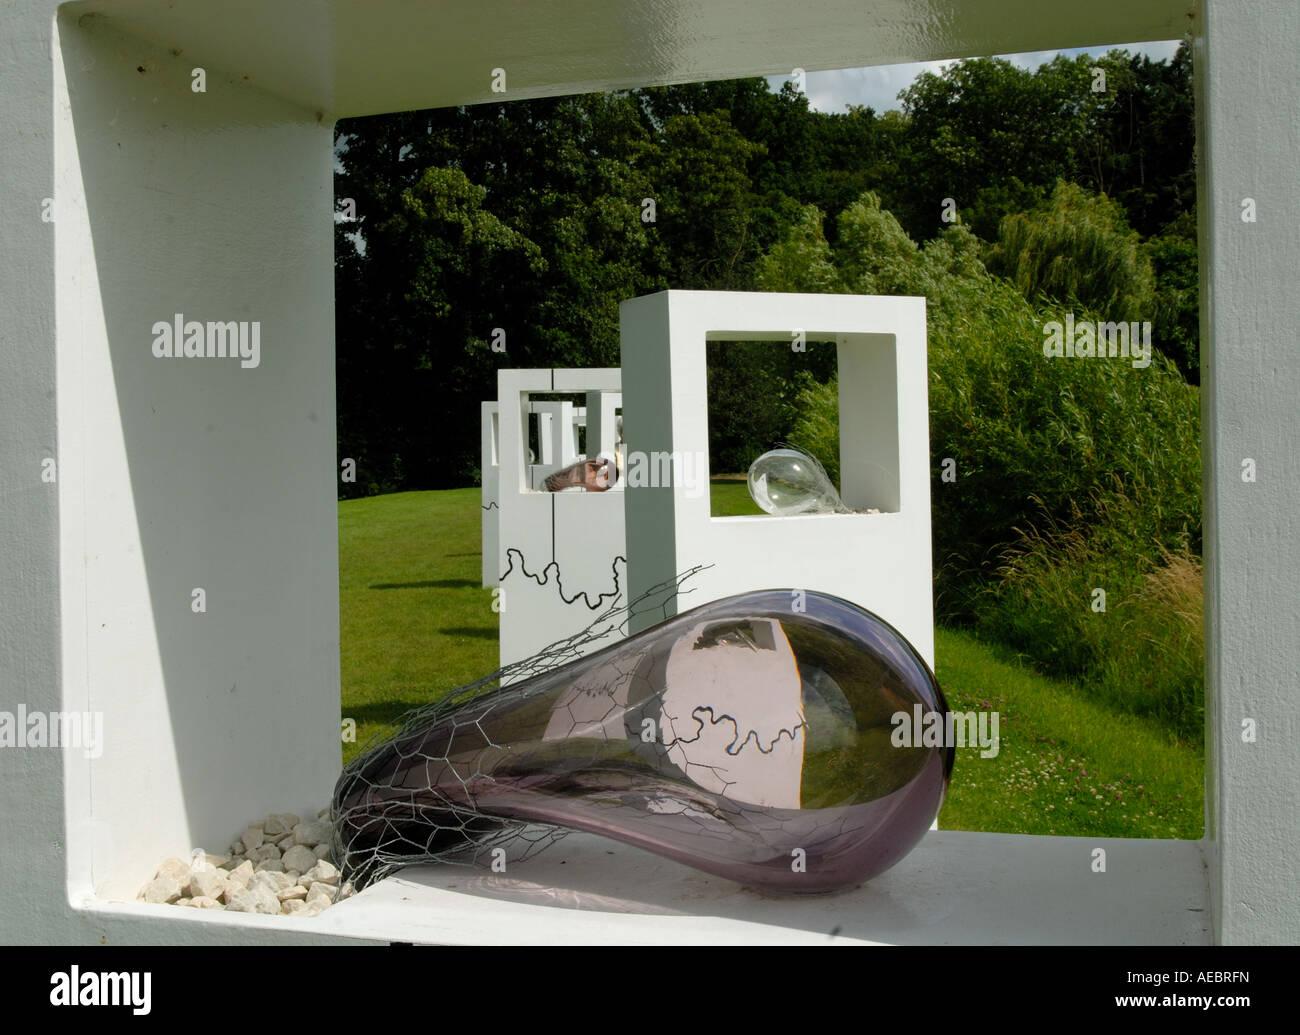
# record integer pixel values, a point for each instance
(749, 737)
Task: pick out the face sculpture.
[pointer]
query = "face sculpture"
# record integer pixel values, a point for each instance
(593, 475)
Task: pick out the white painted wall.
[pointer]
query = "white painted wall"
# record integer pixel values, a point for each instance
(1249, 91)
(185, 473)
(33, 896)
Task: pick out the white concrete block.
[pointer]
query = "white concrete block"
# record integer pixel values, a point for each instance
(879, 561)
(561, 555)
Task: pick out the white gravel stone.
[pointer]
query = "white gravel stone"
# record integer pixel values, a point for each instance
(324, 871)
(300, 858)
(177, 869)
(280, 864)
(347, 891)
(311, 833)
(318, 889)
(266, 851)
(207, 883)
(274, 826)
(280, 880)
(255, 900)
(162, 889)
(263, 880)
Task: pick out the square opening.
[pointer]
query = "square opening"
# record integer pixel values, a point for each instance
(831, 396)
(760, 397)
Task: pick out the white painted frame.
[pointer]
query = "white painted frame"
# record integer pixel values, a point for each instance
(879, 561)
(147, 180)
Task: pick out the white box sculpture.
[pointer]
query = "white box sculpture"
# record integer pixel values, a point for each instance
(557, 424)
(561, 556)
(879, 561)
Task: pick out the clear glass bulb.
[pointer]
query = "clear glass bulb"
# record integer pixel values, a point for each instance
(737, 737)
(785, 482)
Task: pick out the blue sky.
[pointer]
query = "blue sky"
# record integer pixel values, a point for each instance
(833, 91)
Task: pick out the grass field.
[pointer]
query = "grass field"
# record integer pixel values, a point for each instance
(415, 623)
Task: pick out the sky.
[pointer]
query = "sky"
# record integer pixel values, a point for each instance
(878, 88)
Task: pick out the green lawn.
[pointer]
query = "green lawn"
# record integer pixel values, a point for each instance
(731, 498)
(415, 623)
(1065, 765)
(414, 619)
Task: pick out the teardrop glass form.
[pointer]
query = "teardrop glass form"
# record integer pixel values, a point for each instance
(785, 482)
(752, 738)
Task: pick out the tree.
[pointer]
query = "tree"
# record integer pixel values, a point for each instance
(1173, 256)
(526, 217)
(969, 138)
(1077, 248)
(425, 360)
(1141, 138)
(1035, 439)
(705, 201)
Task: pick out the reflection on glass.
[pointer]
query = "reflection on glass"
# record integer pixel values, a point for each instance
(750, 737)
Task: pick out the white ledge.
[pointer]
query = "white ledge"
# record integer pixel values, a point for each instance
(956, 888)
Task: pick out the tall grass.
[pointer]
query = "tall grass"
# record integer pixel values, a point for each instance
(1139, 646)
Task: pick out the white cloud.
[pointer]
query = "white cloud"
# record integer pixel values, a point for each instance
(878, 87)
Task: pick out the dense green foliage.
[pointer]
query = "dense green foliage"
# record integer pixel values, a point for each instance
(1076, 249)
(1071, 473)
(530, 219)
